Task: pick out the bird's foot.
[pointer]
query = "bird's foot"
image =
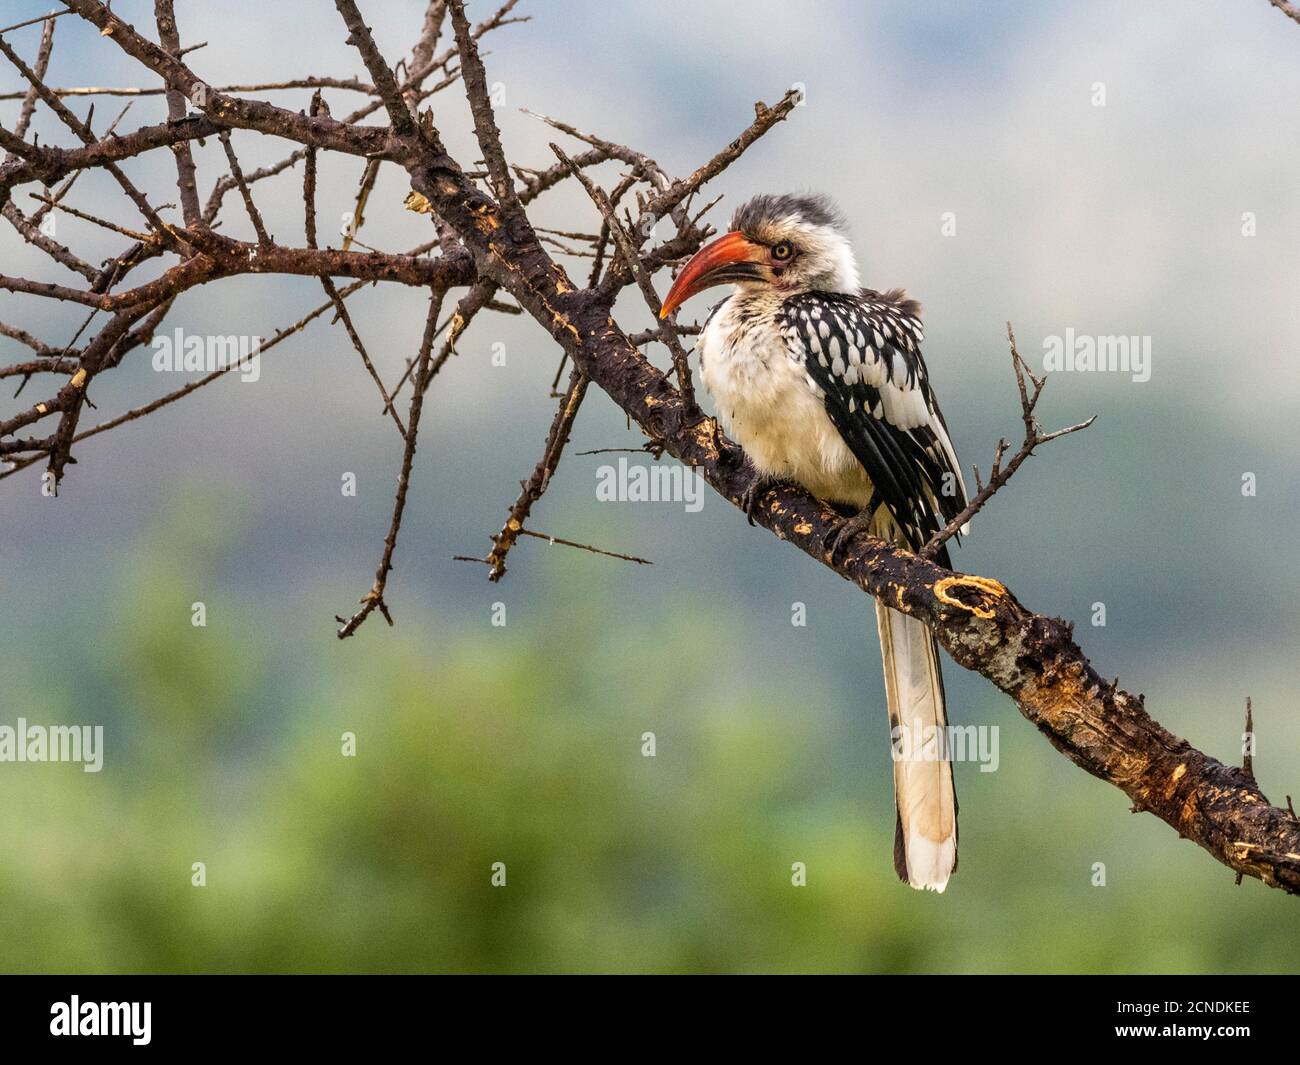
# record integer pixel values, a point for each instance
(843, 533)
(718, 441)
(757, 489)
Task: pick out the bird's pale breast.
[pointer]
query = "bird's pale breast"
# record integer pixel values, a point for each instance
(770, 406)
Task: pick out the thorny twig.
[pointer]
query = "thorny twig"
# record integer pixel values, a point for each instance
(999, 474)
(533, 488)
(374, 599)
(564, 543)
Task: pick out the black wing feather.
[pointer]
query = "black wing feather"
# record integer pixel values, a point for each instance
(857, 349)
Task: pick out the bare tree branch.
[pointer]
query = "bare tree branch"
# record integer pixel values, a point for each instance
(999, 475)
(385, 83)
(480, 105)
(374, 599)
(1288, 9)
(186, 175)
(533, 488)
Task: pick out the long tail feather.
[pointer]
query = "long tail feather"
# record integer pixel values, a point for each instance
(925, 830)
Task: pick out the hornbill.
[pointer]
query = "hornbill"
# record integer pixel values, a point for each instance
(822, 383)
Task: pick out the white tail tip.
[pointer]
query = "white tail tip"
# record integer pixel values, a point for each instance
(930, 864)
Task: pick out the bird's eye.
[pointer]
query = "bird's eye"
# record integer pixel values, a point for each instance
(782, 251)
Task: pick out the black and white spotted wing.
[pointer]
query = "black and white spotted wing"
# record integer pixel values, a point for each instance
(864, 353)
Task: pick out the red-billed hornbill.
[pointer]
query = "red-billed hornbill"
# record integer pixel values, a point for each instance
(822, 383)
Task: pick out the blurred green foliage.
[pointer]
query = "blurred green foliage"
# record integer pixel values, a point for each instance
(522, 745)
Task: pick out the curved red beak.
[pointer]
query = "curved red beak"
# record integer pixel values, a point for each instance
(732, 257)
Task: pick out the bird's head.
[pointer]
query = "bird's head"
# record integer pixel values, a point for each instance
(786, 244)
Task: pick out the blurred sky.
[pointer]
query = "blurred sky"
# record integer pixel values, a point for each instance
(1117, 219)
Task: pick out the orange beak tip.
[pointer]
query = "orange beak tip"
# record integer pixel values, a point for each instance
(708, 267)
